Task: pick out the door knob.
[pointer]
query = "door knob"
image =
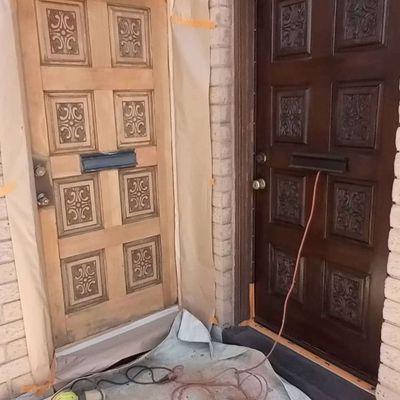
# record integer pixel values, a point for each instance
(42, 200)
(259, 184)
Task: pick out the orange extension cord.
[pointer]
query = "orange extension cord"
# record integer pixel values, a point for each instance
(296, 268)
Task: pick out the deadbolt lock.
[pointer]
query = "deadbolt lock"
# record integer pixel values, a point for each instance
(259, 184)
(261, 158)
(44, 189)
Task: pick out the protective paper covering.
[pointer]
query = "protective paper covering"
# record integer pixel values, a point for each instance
(17, 167)
(191, 80)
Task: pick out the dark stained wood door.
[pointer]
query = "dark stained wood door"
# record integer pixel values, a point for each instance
(327, 82)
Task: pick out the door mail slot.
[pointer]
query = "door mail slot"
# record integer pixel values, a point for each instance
(103, 161)
(319, 162)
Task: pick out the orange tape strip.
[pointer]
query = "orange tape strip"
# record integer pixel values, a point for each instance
(40, 390)
(7, 189)
(194, 23)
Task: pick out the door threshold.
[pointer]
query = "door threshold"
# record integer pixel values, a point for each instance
(311, 356)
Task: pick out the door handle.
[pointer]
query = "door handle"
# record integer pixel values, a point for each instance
(259, 184)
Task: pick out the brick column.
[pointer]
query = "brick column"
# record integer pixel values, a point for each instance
(221, 107)
(389, 371)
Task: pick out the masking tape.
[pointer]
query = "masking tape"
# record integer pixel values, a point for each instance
(194, 23)
(7, 189)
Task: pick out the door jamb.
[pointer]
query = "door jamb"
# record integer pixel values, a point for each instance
(244, 90)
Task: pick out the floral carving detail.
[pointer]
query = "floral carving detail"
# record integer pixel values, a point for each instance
(361, 19)
(71, 122)
(289, 199)
(352, 208)
(142, 263)
(63, 31)
(84, 280)
(293, 27)
(291, 117)
(130, 37)
(345, 298)
(139, 194)
(356, 122)
(284, 268)
(78, 206)
(134, 118)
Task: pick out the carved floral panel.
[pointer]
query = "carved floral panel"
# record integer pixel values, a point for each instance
(70, 121)
(282, 270)
(142, 263)
(288, 193)
(84, 281)
(138, 194)
(346, 294)
(291, 110)
(356, 115)
(293, 23)
(77, 204)
(134, 118)
(62, 32)
(352, 210)
(130, 37)
(360, 22)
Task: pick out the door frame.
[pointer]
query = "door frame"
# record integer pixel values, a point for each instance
(244, 136)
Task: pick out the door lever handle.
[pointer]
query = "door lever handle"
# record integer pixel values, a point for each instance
(259, 184)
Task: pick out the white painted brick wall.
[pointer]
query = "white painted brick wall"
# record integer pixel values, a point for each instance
(14, 363)
(389, 371)
(221, 114)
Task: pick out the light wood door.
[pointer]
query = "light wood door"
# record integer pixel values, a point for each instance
(96, 75)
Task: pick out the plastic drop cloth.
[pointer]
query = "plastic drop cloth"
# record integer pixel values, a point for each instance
(190, 345)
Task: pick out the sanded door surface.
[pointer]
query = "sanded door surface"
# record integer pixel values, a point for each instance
(327, 82)
(96, 75)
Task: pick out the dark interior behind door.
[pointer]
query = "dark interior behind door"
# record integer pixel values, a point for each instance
(327, 82)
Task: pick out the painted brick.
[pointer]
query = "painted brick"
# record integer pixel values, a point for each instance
(222, 16)
(221, 37)
(391, 335)
(223, 183)
(7, 273)
(398, 139)
(392, 289)
(223, 264)
(395, 216)
(5, 230)
(12, 311)
(220, 95)
(221, 151)
(396, 191)
(224, 293)
(222, 248)
(222, 232)
(390, 356)
(391, 312)
(222, 215)
(394, 240)
(226, 3)
(394, 264)
(383, 393)
(14, 369)
(221, 133)
(6, 252)
(222, 167)
(3, 355)
(397, 165)
(223, 278)
(224, 310)
(16, 349)
(221, 76)
(220, 113)
(221, 56)
(9, 292)
(18, 384)
(389, 378)
(3, 209)
(221, 199)
(4, 392)
(12, 331)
